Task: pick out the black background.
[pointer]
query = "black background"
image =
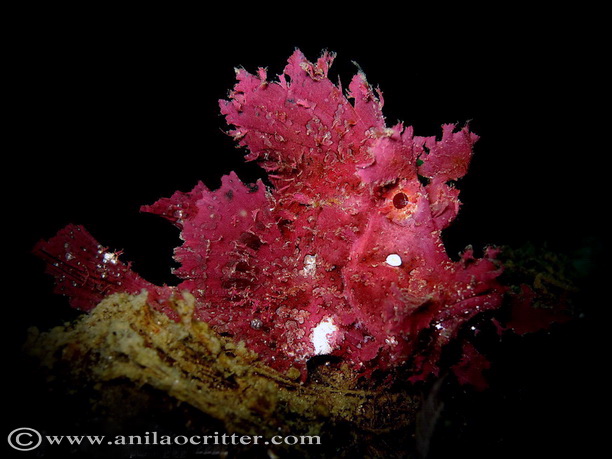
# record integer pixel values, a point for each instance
(105, 115)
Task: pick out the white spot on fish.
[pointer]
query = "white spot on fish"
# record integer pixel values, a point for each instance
(322, 337)
(110, 258)
(310, 266)
(394, 260)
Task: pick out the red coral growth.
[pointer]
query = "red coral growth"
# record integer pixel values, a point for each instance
(470, 369)
(343, 255)
(527, 316)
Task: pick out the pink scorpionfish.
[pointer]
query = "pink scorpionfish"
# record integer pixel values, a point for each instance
(342, 256)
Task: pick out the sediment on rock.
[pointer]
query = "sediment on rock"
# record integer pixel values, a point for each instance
(124, 339)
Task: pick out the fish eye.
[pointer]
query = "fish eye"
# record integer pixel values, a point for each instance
(400, 200)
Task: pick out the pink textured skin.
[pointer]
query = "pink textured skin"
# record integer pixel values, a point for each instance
(300, 269)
